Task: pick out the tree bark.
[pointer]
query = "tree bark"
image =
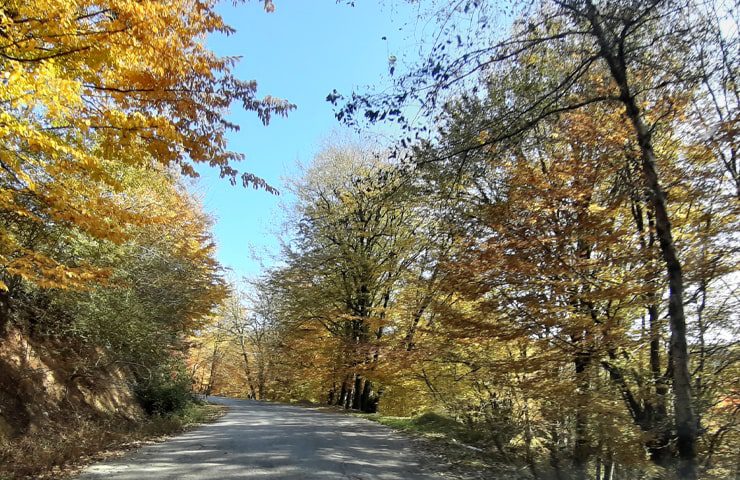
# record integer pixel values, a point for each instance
(609, 469)
(366, 398)
(248, 371)
(212, 371)
(654, 417)
(659, 445)
(554, 456)
(348, 395)
(357, 394)
(528, 454)
(341, 400)
(581, 450)
(684, 416)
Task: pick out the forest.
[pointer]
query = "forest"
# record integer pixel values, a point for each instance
(546, 254)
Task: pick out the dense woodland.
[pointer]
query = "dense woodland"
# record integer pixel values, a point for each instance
(549, 255)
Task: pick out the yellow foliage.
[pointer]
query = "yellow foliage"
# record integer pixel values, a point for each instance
(89, 86)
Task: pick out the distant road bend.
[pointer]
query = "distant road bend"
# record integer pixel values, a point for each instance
(272, 441)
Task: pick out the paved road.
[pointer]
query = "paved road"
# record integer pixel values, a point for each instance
(258, 440)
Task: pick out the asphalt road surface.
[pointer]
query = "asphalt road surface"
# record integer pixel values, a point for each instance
(256, 440)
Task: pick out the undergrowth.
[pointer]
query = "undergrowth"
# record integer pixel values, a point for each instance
(60, 448)
(466, 451)
(433, 425)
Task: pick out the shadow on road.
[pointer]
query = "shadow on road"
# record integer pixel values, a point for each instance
(272, 441)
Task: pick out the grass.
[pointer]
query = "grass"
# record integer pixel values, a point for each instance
(464, 450)
(62, 448)
(193, 414)
(432, 425)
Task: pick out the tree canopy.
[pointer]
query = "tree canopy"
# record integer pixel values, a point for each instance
(548, 255)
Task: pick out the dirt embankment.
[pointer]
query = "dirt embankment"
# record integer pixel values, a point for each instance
(57, 403)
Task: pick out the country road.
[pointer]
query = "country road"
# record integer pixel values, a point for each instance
(273, 441)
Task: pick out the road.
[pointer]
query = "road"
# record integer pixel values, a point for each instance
(257, 440)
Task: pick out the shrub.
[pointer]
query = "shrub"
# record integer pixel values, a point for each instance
(165, 391)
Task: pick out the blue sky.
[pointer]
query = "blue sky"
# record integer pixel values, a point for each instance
(300, 52)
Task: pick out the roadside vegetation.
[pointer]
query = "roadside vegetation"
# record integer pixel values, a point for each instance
(107, 262)
(549, 256)
(62, 449)
(464, 449)
(543, 266)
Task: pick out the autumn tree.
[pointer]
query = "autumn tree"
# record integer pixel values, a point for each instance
(642, 53)
(552, 286)
(89, 86)
(354, 246)
(243, 333)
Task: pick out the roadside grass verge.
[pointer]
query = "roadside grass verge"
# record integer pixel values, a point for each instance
(431, 425)
(64, 447)
(194, 414)
(467, 452)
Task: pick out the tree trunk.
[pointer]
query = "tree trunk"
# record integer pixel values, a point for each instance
(684, 417)
(212, 372)
(528, 454)
(374, 402)
(341, 400)
(581, 449)
(261, 375)
(658, 446)
(365, 397)
(348, 396)
(655, 415)
(609, 469)
(248, 371)
(554, 456)
(357, 393)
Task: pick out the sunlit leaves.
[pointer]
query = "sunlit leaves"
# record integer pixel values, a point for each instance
(86, 86)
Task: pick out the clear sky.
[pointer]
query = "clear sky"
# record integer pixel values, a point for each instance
(300, 52)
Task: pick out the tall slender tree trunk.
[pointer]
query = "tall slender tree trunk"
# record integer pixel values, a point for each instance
(654, 418)
(684, 417)
(659, 445)
(580, 447)
(581, 450)
(348, 395)
(261, 374)
(528, 453)
(365, 399)
(250, 385)
(609, 468)
(212, 371)
(554, 456)
(248, 370)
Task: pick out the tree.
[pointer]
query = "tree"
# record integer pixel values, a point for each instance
(642, 53)
(354, 244)
(161, 282)
(88, 86)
